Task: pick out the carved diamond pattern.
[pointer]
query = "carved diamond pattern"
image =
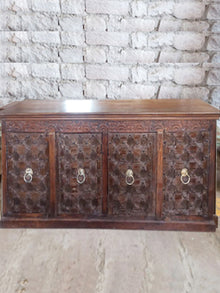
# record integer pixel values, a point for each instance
(79, 151)
(186, 150)
(27, 150)
(131, 151)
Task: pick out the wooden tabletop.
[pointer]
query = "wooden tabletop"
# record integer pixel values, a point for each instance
(163, 107)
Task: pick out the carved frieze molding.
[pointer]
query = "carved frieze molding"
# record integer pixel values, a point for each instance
(75, 126)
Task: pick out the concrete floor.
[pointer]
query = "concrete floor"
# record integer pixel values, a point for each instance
(109, 261)
(101, 261)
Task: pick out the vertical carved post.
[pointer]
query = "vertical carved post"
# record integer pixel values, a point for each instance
(52, 162)
(4, 171)
(105, 172)
(159, 192)
(212, 170)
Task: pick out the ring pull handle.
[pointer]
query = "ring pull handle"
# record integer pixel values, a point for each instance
(28, 175)
(185, 178)
(129, 177)
(81, 177)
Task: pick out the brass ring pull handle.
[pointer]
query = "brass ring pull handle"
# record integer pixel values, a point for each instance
(185, 178)
(28, 175)
(129, 177)
(81, 177)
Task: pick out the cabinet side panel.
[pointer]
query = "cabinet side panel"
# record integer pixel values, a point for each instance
(4, 171)
(212, 170)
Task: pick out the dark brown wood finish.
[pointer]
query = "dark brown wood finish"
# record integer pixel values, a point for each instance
(163, 108)
(176, 225)
(27, 151)
(212, 171)
(74, 152)
(84, 125)
(4, 171)
(135, 152)
(190, 150)
(52, 163)
(105, 173)
(159, 194)
(105, 139)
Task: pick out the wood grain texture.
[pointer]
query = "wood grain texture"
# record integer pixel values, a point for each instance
(108, 223)
(105, 173)
(78, 126)
(52, 164)
(135, 152)
(4, 171)
(159, 180)
(155, 140)
(212, 171)
(79, 151)
(27, 151)
(189, 150)
(164, 107)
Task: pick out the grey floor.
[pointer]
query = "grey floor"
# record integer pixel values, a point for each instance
(107, 261)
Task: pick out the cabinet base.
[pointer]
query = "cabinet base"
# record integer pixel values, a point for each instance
(202, 226)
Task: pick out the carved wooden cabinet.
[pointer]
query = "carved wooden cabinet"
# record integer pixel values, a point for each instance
(109, 164)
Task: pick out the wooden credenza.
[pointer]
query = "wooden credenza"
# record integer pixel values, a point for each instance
(138, 164)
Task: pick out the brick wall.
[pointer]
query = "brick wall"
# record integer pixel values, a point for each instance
(109, 49)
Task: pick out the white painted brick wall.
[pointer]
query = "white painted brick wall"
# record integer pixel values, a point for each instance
(9, 21)
(107, 38)
(70, 54)
(72, 38)
(45, 6)
(96, 23)
(72, 6)
(107, 7)
(190, 10)
(109, 49)
(71, 89)
(139, 8)
(45, 37)
(49, 71)
(139, 40)
(214, 77)
(214, 11)
(189, 41)
(107, 72)
(72, 71)
(131, 24)
(131, 56)
(71, 23)
(94, 89)
(96, 54)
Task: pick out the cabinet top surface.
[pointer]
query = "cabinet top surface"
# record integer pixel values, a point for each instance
(164, 107)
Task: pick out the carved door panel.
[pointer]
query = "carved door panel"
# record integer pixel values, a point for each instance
(79, 190)
(186, 154)
(131, 178)
(27, 173)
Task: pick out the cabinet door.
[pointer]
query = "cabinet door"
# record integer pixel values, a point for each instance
(190, 151)
(131, 178)
(27, 174)
(79, 190)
